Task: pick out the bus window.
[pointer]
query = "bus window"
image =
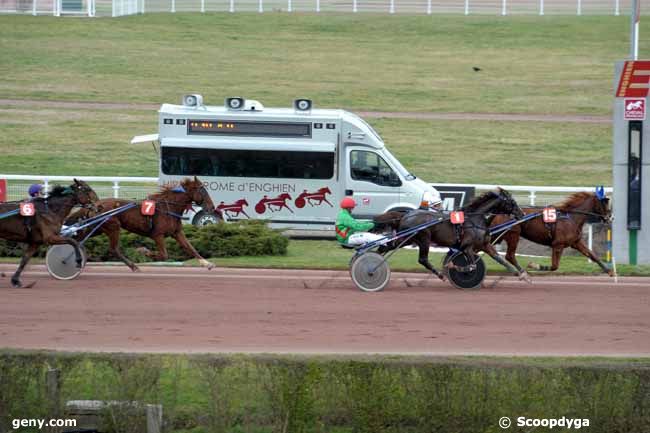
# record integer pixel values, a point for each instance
(247, 163)
(370, 167)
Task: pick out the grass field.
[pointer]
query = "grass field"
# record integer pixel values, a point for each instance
(375, 62)
(96, 143)
(558, 65)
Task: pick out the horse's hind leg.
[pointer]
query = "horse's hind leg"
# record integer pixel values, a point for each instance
(580, 246)
(29, 252)
(187, 246)
(423, 243)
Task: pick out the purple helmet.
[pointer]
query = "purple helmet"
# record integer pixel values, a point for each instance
(35, 190)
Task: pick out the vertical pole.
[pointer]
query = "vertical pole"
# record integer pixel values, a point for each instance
(503, 7)
(143, 9)
(232, 6)
(114, 7)
(202, 6)
(46, 185)
(260, 6)
(317, 5)
(617, 7)
(634, 30)
(392, 7)
(608, 257)
(428, 7)
(579, 11)
(354, 5)
(466, 7)
(52, 382)
(154, 418)
(34, 7)
(532, 198)
(116, 189)
(590, 238)
(633, 247)
(541, 7)
(289, 8)
(173, 6)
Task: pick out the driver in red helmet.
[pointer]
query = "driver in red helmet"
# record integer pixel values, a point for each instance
(350, 231)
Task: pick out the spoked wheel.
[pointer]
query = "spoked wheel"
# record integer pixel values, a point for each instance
(61, 263)
(466, 272)
(370, 272)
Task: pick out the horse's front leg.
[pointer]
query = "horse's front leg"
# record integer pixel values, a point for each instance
(187, 246)
(492, 252)
(512, 240)
(556, 255)
(580, 246)
(29, 252)
(112, 230)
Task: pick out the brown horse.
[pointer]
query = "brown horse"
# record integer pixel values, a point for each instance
(566, 232)
(44, 227)
(170, 202)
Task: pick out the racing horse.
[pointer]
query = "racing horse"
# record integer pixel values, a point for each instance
(170, 203)
(44, 227)
(469, 238)
(565, 232)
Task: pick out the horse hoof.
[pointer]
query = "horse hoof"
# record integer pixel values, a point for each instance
(134, 268)
(611, 273)
(16, 284)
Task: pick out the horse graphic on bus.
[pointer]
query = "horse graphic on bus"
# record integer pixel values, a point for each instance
(313, 198)
(273, 204)
(233, 210)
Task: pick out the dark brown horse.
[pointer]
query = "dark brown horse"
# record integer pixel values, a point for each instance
(470, 237)
(44, 227)
(565, 232)
(170, 202)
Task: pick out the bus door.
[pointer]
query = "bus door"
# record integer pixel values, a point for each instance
(371, 181)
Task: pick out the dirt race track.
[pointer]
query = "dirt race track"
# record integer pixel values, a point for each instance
(260, 310)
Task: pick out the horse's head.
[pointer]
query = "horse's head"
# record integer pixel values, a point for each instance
(195, 189)
(600, 205)
(507, 204)
(243, 202)
(325, 190)
(83, 193)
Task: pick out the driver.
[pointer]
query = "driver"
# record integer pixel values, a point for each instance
(432, 201)
(350, 231)
(35, 190)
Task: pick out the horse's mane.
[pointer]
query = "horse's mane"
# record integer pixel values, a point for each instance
(479, 201)
(58, 191)
(574, 200)
(166, 193)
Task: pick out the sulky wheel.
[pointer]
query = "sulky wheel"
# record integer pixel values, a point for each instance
(61, 263)
(466, 272)
(370, 272)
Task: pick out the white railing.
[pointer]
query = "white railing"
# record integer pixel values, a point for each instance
(466, 7)
(533, 191)
(139, 187)
(147, 183)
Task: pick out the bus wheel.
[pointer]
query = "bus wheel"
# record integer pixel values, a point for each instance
(204, 218)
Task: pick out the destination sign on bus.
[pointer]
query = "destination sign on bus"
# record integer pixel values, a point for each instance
(265, 129)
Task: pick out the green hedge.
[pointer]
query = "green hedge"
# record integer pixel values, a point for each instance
(246, 238)
(351, 394)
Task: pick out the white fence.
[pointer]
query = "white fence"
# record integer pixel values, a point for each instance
(139, 187)
(467, 7)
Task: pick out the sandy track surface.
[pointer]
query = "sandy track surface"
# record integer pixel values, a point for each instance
(369, 114)
(304, 311)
